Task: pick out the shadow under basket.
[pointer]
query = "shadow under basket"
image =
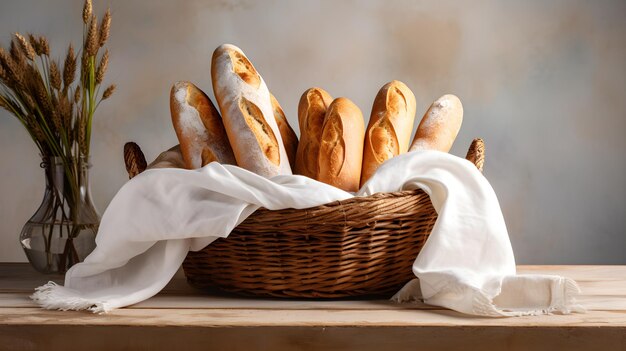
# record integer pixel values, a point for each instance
(356, 247)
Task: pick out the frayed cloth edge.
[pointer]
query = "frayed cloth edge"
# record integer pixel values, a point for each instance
(564, 290)
(53, 296)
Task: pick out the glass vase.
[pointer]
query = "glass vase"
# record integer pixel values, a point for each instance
(62, 232)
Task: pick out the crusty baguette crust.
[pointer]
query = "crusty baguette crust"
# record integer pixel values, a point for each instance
(440, 125)
(199, 127)
(311, 114)
(390, 126)
(290, 139)
(246, 107)
(341, 147)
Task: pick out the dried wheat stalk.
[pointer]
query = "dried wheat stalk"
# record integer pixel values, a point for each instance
(55, 108)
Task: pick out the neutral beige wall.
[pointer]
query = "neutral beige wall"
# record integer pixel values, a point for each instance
(543, 83)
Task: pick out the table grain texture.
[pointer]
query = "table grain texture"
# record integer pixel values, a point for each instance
(182, 318)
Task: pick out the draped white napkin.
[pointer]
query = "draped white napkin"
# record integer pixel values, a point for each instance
(467, 264)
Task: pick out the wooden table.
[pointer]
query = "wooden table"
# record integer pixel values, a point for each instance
(181, 318)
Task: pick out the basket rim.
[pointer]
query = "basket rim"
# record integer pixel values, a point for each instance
(475, 154)
(356, 199)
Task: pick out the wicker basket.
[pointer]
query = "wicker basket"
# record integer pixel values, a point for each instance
(360, 246)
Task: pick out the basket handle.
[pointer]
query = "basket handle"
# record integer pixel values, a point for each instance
(476, 153)
(136, 161)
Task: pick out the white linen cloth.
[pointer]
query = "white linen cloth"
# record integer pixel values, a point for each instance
(467, 264)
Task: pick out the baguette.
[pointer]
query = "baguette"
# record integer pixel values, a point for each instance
(198, 127)
(171, 158)
(390, 126)
(311, 114)
(246, 107)
(341, 146)
(440, 125)
(290, 139)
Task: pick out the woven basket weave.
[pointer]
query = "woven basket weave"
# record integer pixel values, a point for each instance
(360, 246)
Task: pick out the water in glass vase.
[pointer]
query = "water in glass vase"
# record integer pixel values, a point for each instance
(61, 252)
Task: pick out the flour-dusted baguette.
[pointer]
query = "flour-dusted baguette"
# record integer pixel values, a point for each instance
(341, 147)
(290, 139)
(311, 114)
(246, 107)
(198, 127)
(390, 126)
(440, 125)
